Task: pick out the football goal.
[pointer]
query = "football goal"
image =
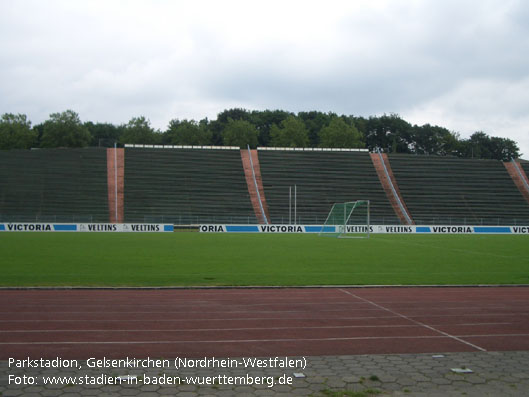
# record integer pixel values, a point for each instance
(348, 220)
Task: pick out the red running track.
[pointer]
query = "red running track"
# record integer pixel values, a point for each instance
(261, 322)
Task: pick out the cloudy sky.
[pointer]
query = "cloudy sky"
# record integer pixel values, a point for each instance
(460, 64)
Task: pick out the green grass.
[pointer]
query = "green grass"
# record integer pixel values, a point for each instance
(184, 259)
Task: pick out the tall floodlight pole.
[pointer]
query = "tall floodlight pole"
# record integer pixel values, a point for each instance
(295, 204)
(290, 205)
(116, 180)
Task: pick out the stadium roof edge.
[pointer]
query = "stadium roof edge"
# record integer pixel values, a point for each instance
(310, 149)
(209, 147)
(141, 146)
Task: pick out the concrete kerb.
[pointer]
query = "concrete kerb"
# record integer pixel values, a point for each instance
(220, 287)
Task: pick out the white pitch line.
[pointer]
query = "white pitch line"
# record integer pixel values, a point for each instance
(415, 321)
(251, 340)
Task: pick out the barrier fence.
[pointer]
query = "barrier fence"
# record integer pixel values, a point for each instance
(245, 228)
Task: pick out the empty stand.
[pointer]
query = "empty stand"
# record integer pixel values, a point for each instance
(186, 186)
(449, 190)
(53, 185)
(322, 179)
(192, 186)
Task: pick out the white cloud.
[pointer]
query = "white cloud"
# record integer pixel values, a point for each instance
(497, 107)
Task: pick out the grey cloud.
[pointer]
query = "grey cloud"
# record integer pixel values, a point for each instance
(114, 60)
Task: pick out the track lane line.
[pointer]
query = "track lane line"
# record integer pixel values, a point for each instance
(258, 340)
(414, 321)
(222, 340)
(517, 315)
(235, 329)
(210, 329)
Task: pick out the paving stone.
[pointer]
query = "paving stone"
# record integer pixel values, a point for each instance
(52, 393)
(129, 392)
(351, 379)
(301, 392)
(264, 393)
(441, 381)
(396, 375)
(31, 394)
(12, 393)
(392, 386)
(90, 392)
(406, 381)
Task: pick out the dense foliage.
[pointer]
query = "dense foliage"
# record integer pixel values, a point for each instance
(240, 127)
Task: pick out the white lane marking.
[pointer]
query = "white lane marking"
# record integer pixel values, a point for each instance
(415, 321)
(235, 329)
(251, 340)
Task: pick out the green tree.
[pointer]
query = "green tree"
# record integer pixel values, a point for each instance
(16, 132)
(432, 139)
(339, 134)
(264, 120)
(218, 126)
(504, 149)
(64, 130)
(187, 133)
(389, 133)
(225, 116)
(240, 133)
(103, 134)
(482, 146)
(292, 133)
(360, 124)
(138, 130)
(315, 121)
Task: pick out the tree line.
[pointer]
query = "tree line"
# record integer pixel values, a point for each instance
(241, 127)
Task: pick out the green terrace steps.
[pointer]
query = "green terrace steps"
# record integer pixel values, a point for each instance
(449, 190)
(54, 185)
(185, 186)
(322, 178)
(190, 185)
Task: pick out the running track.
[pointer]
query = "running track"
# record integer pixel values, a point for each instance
(261, 322)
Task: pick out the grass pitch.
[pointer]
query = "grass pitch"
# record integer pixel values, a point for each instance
(193, 259)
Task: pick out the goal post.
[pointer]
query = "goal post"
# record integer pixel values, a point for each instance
(348, 220)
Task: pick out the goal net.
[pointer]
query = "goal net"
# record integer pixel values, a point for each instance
(348, 220)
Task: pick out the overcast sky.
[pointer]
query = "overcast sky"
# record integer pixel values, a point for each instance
(460, 64)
